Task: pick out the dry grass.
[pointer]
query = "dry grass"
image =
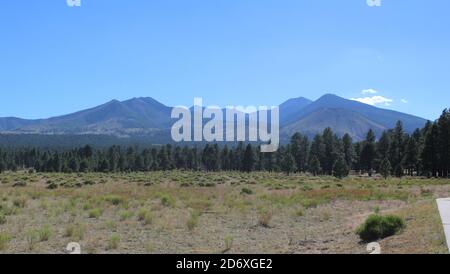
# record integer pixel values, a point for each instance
(188, 212)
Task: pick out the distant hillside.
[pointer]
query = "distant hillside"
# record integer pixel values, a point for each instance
(146, 118)
(346, 116)
(135, 116)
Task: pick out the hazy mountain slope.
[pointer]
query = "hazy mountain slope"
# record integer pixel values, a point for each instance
(292, 106)
(382, 117)
(148, 117)
(340, 120)
(135, 115)
(13, 123)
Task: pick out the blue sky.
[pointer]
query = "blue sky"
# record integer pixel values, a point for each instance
(55, 59)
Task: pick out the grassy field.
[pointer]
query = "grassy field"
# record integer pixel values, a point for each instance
(187, 212)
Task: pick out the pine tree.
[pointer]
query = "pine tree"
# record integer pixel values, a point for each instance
(2, 165)
(104, 166)
(314, 166)
(430, 153)
(224, 159)
(248, 162)
(411, 159)
(384, 145)
(368, 153)
(288, 163)
(340, 168)
(331, 150)
(300, 147)
(163, 157)
(444, 143)
(317, 153)
(397, 146)
(73, 165)
(385, 168)
(349, 152)
(399, 171)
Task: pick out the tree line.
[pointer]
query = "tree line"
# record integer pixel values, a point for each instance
(425, 152)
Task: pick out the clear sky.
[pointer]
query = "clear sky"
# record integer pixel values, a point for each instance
(56, 59)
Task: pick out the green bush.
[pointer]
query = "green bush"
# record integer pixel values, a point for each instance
(379, 227)
(168, 201)
(192, 222)
(246, 191)
(95, 213)
(4, 240)
(2, 219)
(52, 186)
(114, 242)
(44, 234)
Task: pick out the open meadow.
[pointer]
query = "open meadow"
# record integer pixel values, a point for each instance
(223, 212)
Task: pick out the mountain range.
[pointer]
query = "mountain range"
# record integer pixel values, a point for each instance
(148, 117)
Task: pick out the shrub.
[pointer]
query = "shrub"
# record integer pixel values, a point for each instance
(379, 227)
(167, 201)
(300, 213)
(115, 200)
(246, 191)
(75, 231)
(265, 218)
(32, 239)
(192, 223)
(2, 219)
(20, 202)
(95, 213)
(125, 215)
(228, 244)
(44, 234)
(20, 184)
(145, 216)
(52, 186)
(4, 240)
(114, 242)
(89, 183)
(309, 203)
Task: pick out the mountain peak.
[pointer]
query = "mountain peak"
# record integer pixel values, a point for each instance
(145, 100)
(330, 96)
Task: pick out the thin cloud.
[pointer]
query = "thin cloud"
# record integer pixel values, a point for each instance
(404, 101)
(374, 100)
(374, 3)
(369, 91)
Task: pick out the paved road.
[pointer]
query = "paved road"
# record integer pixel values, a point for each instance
(444, 210)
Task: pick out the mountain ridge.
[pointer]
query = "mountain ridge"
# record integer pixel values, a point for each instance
(147, 116)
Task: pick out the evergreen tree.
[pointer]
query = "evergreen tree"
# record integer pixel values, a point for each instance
(411, 159)
(444, 143)
(397, 146)
(314, 166)
(349, 152)
(317, 153)
(384, 145)
(288, 163)
(300, 147)
(340, 168)
(225, 159)
(385, 168)
(430, 153)
(248, 162)
(368, 153)
(331, 150)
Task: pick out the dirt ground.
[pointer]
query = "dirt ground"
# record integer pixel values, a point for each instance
(195, 212)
